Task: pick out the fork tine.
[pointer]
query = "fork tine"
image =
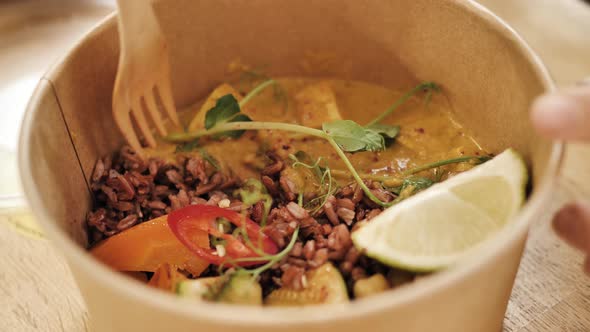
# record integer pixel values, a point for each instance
(165, 91)
(123, 121)
(142, 123)
(150, 104)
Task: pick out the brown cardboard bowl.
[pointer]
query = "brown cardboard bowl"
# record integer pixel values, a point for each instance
(488, 73)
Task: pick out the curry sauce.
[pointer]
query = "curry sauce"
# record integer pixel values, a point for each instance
(428, 131)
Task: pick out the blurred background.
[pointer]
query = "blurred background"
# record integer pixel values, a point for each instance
(33, 34)
(36, 287)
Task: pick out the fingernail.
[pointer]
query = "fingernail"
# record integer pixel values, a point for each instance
(557, 113)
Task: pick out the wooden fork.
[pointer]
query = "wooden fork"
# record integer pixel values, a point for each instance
(143, 68)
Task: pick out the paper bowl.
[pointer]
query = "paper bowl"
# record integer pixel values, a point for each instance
(488, 73)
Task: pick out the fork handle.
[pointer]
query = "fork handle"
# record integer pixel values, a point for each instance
(137, 22)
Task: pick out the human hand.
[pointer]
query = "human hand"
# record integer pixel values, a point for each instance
(565, 116)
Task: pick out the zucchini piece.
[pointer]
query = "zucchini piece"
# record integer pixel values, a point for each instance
(240, 289)
(370, 286)
(236, 288)
(324, 285)
(195, 288)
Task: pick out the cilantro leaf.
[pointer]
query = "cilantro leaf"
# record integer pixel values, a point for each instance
(418, 183)
(388, 132)
(410, 186)
(352, 137)
(226, 110)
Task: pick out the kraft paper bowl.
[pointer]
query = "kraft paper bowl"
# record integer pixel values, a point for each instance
(488, 73)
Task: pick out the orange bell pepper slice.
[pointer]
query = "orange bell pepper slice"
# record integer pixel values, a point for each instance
(149, 245)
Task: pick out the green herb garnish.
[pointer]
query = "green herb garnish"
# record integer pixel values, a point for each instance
(194, 144)
(476, 160)
(416, 183)
(300, 158)
(316, 204)
(429, 87)
(216, 241)
(271, 259)
(226, 110)
(388, 132)
(279, 93)
(256, 91)
(209, 158)
(351, 137)
(323, 174)
(188, 146)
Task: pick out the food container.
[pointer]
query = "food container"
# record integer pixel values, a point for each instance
(488, 73)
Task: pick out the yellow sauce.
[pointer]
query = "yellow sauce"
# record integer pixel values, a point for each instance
(428, 131)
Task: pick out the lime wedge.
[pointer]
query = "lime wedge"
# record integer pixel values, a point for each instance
(433, 229)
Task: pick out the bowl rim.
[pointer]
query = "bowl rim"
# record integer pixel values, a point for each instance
(264, 316)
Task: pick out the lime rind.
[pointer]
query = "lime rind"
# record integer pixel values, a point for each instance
(435, 228)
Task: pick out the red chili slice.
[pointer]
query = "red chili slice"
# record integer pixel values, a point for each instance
(185, 221)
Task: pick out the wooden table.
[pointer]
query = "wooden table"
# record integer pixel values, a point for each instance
(38, 293)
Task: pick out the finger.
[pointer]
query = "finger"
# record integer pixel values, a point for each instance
(572, 223)
(564, 115)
